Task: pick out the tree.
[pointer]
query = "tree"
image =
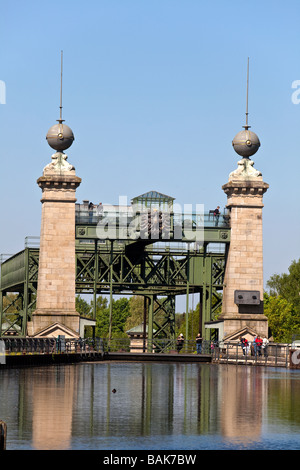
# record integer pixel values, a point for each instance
(120, 312)
(194, 326)
(287, 285)
(283, 319)
(136, 312)
(282, 303)
(102, 316)
(291, 286)
(83, 307)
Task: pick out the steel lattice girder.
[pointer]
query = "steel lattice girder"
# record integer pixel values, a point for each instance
(150, 272)
(19, 275)
(141, 270)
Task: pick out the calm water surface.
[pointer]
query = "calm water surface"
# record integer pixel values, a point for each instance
(156, 406)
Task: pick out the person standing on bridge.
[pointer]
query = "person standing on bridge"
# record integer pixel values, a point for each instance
(180, 342)
(198, 343)
(100, 210)
(217, 215)
(264, 346)
(244, 343)
(91, 210)
(259, 343)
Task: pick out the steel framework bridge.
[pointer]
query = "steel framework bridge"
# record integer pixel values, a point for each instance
(147, 252)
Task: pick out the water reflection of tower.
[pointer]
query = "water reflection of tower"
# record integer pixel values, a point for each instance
(241, 402)
(53, 394)
(194, 406)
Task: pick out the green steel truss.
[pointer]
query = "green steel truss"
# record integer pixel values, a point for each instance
(157, 274)
(19, 275)
(155, 270)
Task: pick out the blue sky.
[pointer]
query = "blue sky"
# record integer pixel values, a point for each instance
(154, 91)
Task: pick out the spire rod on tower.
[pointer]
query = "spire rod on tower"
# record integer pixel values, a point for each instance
(61, 74)
(247, 95)
(246, 143)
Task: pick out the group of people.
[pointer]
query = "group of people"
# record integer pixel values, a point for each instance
(257, 347)
(98, 212)
(180, 343)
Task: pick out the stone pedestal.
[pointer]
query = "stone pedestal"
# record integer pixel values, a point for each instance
(57, 264)
(244, 270)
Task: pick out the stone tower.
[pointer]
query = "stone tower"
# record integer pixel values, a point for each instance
(57, 264)
(243, 283)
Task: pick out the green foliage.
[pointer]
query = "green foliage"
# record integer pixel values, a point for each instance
(282, 318)
(179, 323)
(83, 307)
(12, 303)
(193, 323)
(282, 304)
(287, 285)
(13, 306)
(136, 308)
(127, 314)
(194, 320)
(120, 312)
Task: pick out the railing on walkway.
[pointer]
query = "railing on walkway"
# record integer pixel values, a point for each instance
(58, 345)
(157, 346)
(121, 218)
(276, 354)
(17, 345)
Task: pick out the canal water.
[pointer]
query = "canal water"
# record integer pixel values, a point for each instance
(150, 406)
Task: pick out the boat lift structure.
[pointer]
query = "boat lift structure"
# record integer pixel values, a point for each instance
(142, 249)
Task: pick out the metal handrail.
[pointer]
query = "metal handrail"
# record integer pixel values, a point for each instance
(277, 353)
(32, 242)
(15, 345)
(122, 219)
(274, 354)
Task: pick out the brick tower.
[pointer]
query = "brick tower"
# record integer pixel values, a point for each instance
(243, 283)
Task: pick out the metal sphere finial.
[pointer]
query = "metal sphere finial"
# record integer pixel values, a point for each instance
(60, 137)
(246, 143)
